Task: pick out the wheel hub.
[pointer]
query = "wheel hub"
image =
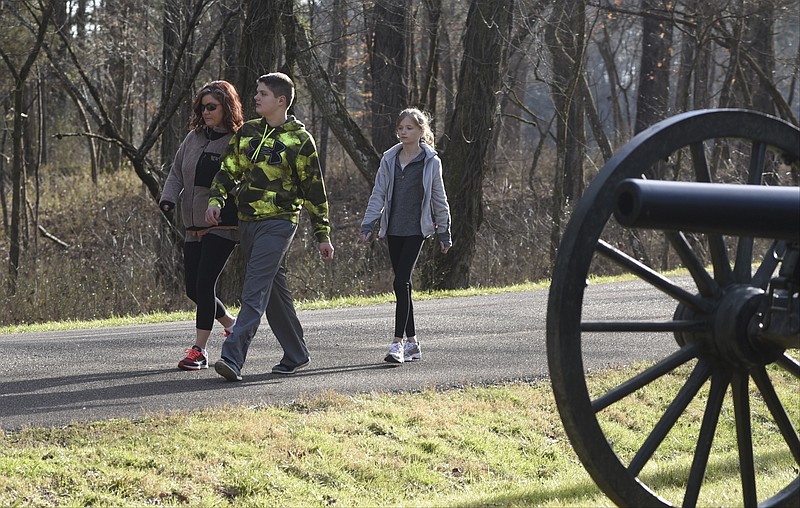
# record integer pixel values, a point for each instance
(730, 332)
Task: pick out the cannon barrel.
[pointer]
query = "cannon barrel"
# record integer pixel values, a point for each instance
(726, 209)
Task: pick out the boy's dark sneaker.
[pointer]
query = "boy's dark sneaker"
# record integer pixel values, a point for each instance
(195, 359)
(226, 371)
(282, 368)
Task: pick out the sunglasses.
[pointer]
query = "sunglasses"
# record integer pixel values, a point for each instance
(209, 107)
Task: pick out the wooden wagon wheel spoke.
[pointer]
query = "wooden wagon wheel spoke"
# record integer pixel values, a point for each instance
(649, 375)
(653, 277)
(769, 263)
(706, 285)
(716, 324)
(790, 364)
(744, 249)
(688, 391)
(719, 385)
(789, 433)
(677, 325)
(744, 437)
(719, 254)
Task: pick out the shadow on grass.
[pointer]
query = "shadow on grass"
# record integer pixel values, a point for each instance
(576, 495)
(670, 479)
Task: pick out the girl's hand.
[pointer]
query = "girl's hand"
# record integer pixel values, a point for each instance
(444, 248)
(365, 237)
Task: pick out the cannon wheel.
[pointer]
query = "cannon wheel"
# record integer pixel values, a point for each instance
(692, 137)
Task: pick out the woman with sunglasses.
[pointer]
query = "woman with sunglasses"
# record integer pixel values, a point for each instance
(216, 115)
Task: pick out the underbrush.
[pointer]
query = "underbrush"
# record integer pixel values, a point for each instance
(120, 259)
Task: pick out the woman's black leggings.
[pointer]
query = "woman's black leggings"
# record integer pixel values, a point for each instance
(404, 252)
(203, 262)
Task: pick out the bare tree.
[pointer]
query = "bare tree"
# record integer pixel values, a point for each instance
(388, 68)
(335, 68)
(565, 36)
(174, 73)
(95, 102)
(331, 104)
(38, 18)
(652, 101)
(428, 92)
(488, 31)
(260, 48)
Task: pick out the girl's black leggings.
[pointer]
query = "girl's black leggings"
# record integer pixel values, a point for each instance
(404, 252)
(203, 263)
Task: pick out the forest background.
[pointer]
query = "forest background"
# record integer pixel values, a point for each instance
(528, 98)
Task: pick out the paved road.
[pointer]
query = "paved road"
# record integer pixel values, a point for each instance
(53, 379)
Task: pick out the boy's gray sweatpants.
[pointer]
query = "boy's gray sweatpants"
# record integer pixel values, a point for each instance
(264, 245)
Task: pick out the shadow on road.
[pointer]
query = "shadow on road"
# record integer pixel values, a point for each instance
(115, 388)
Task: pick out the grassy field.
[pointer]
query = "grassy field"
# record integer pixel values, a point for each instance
(477, 446)
(500, 445)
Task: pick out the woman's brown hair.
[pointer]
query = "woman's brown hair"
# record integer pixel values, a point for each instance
(226, 94)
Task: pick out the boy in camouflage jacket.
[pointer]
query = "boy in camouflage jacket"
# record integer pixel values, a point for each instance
(273, 165)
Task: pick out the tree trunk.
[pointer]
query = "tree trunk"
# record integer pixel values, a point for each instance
(759, 43)
(387, 57)
(176, 64)
(683, 89)
(338, 78)
(701, 98)
(430, 78)
(565, 36)
(652, 101)
(3, 177)
(595, 122)
(445, 56)
(174, 70)
(17, 197)
(260, 49)
(20, 76)
(488, 31)
(231, 44)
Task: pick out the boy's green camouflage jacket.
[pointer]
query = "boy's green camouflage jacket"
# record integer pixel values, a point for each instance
(274, 171)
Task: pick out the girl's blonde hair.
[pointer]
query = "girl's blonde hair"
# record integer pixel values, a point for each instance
(422, 120)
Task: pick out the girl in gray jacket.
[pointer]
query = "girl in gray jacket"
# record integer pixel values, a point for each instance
(411, 203)
(216, 115)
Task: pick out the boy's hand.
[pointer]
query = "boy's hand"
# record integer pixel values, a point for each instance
(212, 215)
(326, 251)
(365, 237)
(443, 248)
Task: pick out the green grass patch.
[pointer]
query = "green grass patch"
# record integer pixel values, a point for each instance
(491, 445)
(333, 303)
(461, 447)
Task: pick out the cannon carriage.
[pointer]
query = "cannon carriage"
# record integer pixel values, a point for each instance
(721, 186)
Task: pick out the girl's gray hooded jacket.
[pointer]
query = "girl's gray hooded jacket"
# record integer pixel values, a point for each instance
(435, 217)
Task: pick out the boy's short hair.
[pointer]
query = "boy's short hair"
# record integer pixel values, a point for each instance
(279, 84)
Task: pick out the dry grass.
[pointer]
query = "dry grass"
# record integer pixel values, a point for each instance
(121, 262)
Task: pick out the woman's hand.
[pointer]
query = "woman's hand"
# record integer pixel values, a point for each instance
(212, 215)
